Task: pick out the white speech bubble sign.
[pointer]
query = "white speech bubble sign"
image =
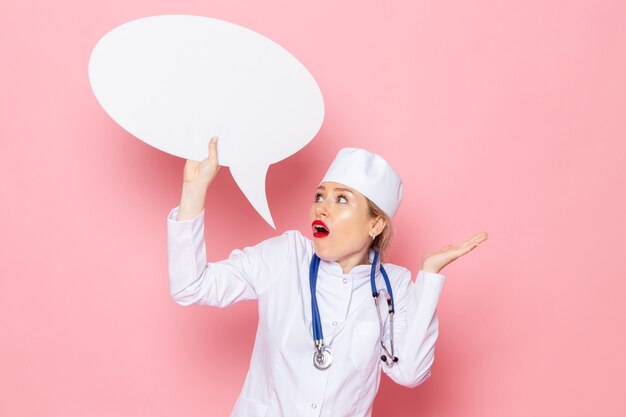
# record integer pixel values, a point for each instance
(174, 81)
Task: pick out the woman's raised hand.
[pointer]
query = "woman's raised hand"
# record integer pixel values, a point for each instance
(197, 176)
(202, 173)
(434, 262)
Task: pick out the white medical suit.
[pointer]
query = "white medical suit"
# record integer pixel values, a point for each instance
(282, 381)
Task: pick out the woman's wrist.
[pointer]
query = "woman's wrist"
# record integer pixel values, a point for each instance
(430, 268)
(191, 201)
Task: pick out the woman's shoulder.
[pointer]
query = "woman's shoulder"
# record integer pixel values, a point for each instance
(398, 275)
(396, 270)
(293, 240)
(295, 236)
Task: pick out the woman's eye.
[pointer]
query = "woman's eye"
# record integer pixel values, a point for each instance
(342, 199)
(318, 197)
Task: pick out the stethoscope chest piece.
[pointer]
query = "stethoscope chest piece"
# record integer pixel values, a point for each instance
(322, 359)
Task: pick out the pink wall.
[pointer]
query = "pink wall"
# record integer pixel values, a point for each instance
(505, 116)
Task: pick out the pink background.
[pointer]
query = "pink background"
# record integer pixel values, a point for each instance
(504, 116)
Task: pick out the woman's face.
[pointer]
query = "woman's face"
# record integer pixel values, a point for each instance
(341, 225)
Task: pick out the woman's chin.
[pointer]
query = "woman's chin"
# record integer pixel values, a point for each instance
(323, 253)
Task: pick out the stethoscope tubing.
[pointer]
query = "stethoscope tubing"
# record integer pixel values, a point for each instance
(318, 334)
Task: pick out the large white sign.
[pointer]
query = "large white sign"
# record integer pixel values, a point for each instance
(174, 81)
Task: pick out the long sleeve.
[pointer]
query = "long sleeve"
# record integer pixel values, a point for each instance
(416, 328)
(243, 276)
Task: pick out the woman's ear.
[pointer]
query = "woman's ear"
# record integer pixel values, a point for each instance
(378, 225)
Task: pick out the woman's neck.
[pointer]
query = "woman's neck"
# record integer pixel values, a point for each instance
(349, 263)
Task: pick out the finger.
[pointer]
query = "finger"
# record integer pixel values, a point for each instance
(213, 149)
(190, 164)
(480, 237)
(476, 239)
(460, 251)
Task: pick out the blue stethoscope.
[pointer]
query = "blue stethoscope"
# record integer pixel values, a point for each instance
(322, 357)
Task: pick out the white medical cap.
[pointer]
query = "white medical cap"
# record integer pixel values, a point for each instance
(370, 175)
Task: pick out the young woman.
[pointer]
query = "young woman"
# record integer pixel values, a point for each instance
(331, 315)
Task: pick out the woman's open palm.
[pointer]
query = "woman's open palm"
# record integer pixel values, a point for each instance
(434, 262)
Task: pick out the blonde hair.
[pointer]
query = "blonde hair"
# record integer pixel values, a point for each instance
(381, 242)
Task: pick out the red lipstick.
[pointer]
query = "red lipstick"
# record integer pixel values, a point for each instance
(319, 229)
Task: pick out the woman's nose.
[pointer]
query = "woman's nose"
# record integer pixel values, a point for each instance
(321, 209)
